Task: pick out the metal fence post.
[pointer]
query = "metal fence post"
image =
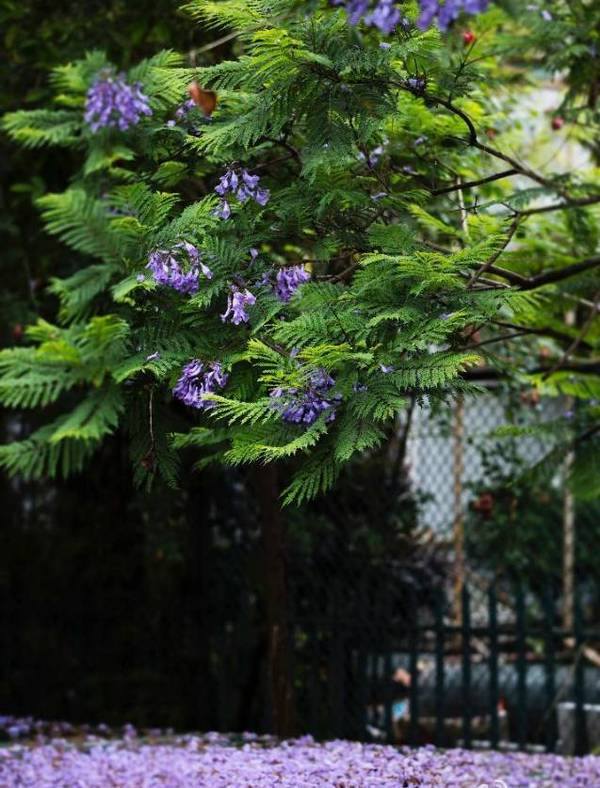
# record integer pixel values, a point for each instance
(439, 668)
(521, 669)
(360, 642)
(413, 731)
(493, 664)
(387, 672)
(466, 665)
(336, 664)
(550, 672)
(581, 737)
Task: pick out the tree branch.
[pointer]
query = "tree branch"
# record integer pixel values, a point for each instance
(472, 184)
(577, 340)
(546, 277)
(561, 206)
(490, 373)
(552, 333)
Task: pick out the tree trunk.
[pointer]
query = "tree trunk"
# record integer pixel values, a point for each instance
(279, 668)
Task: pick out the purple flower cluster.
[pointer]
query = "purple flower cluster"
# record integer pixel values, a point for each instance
(416, 84)
(166, 267)
(237, 303)
(113, 103)
(288, 280)
(251, 761)
(305, 405)
(446, 12)
(198, 379)
(386, 16)
(372, 157)
(242, 185)
(182, 112)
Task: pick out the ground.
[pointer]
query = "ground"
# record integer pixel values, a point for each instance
(41, 755)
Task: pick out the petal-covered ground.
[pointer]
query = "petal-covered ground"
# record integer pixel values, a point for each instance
(249, 761)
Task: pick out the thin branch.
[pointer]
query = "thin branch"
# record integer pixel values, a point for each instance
(552, 333)
(522, 169)
(472, 184)
(266, 164)
(503, 338)
(490, 262)
(511, 276)
(455, 111)
(490, 284)
(577, 340)
(558, 274)
(284, 144)
(490, 373)
(343, 275)
(546, 277)
(561, 206)
(213, 45)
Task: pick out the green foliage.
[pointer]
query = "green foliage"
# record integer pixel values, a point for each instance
(414, 277)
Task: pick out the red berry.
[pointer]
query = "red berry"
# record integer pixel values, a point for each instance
(468, 37)
(557, 122)
(544, 352)
(484, 504)
(530, 397)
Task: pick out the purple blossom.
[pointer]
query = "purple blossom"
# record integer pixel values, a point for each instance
(288, 280)
(113, 103)
(181, 115)
(355, 9)
(384, 14)
(416, 84)
(446, 12)
(182, 111)
(372, 158)
(305, 405)
(198, 379)
(223, 211)
(237, 303)
(241, 185)
(167, 267)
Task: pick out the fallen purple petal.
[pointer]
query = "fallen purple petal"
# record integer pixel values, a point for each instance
(158, 758)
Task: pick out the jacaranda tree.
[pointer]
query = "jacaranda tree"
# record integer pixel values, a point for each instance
(295, 243)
